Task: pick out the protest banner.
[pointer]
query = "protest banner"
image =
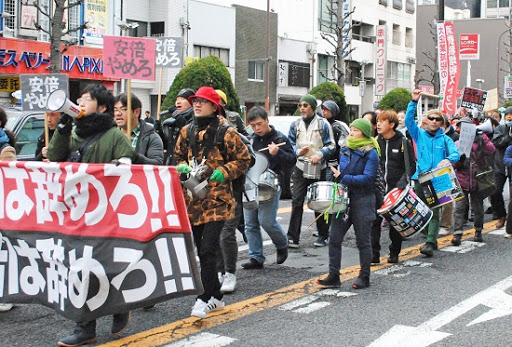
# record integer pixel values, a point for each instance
(474, 99)
(88, 240)
(449, 69)
(129, 57)
(169, 54)
(35, 89)
(466, 138)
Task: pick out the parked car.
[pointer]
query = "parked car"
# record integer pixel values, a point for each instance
(282, 123)
(27, 126)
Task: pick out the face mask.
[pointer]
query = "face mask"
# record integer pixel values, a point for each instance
(509, 123)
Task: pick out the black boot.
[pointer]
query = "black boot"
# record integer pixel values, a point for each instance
(84, 333)
(456, 239)
(478, 237)
(120, 322)
(282, 255)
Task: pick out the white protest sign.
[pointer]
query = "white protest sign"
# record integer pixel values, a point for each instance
(467, 136)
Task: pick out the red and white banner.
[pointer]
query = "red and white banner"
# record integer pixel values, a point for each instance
(93, 239)
(381, 60)
(448, 61)
(469, 45)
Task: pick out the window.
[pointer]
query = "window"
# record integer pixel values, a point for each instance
(352, 73)
(74, 20)
(396, 34)
(10, 8)
(399, 75)
(409, 38)
(327, 20)
(383, 2)
(492, 3)
(398, 4)
(140, 31)
(256, 69)
(409, 6)
(325, 63)
(504, 3)
(362, 32)
(204, 51)
(157, 28)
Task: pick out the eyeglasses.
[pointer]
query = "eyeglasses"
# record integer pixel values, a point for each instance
(122, 109)
(199, 101)
(79, 100)
(437, 119)
(304, 104)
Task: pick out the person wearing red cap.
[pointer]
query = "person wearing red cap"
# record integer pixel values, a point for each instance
(199, 152)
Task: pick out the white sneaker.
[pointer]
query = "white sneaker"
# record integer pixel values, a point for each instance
(199, 309)
(221, 277)
(508, 236)
(229, 283)
(443, 232)
(5, 307)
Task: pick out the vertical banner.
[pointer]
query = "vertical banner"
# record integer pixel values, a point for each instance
(169, 52)
(129, 57)
(448, 62)
(97, 20)
(507, 94)
(35, 89)
(381, 60)
(347, 23)
(283, 74)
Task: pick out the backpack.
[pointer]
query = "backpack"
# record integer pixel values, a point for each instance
(219, 141)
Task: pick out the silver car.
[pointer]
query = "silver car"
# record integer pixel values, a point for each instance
(27, 126)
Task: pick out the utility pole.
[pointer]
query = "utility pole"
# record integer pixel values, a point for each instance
(440, 11)
(267, 65)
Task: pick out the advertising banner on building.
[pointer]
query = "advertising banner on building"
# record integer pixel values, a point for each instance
(35, 90)
(96, 17)
(282, 74)
(469, 46)
(448, 64)
(507, 91)
(129, 57)
(169, 52)
(381, 60)
(88, 240)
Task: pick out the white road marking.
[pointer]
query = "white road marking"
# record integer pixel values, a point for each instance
(312, 307)
(499, 232)
(203, 340)
(400, 267)
(246, 247)
(426, 334)
(310, 304)
(465, 247)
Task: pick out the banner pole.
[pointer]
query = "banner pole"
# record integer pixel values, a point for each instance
(46, 130)
(129, 109)
(159, 97)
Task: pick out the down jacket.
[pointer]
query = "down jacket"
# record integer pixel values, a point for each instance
(465, 170)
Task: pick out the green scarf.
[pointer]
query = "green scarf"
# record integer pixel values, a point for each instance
(354, 143)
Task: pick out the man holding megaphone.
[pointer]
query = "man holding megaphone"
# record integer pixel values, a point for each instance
(92, 138)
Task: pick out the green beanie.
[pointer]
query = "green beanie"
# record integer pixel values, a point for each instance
(310, 99)
(364, 125)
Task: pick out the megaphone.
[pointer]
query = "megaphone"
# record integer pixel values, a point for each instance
(58, 102)
(486, 127)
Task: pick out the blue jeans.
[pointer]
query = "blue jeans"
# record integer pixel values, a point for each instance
(264, 216)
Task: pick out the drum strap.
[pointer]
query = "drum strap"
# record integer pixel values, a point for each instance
(406, 159)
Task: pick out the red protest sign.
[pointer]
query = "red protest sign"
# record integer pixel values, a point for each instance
(98, 200)
(469, 45)
(129, 57)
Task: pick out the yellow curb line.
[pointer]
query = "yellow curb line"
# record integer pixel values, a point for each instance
(180, 329)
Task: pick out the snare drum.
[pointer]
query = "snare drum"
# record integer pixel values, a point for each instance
(320, 197)
(268, 185)
(440, 186)
(311, 171)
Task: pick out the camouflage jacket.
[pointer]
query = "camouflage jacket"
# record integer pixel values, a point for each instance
(219, 204)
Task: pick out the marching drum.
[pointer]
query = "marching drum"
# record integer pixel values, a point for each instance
(405, 212)
(440, 186)
(311, 171)
(268, 185)
(322, 198)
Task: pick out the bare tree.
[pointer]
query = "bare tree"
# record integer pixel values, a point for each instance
(58, 28)
(340, 48)
(428, 71)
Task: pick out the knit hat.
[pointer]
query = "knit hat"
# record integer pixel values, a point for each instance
(464, 120)
(310, 99)
(186, 93)
(222, 95)
(364, 125)
(508, 110)
(331, 106)
(207, 93)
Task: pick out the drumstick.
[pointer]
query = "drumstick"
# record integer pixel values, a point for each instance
(320, 215)
(278, 145)
(432, 95)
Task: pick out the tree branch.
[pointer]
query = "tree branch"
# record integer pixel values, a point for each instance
(39, 27)
(39, 9)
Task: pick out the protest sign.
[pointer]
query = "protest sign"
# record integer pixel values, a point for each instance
(129, 57)
(90, 240)
(35, 89)
(467, 136)
(474, 98)
(169, 52)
